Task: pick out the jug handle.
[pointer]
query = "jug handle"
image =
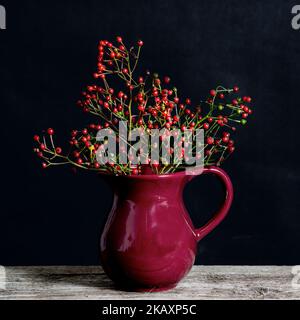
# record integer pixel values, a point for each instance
(223, 211)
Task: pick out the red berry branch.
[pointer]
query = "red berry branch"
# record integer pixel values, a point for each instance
(146, 102)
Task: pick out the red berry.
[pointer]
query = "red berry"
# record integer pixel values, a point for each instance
(226, 134)
(36, 138)
(50, 131)
(231, 149)
(210, 140)
(58, 150)
(42, 146)
(221, 96)
(205, 126)
(140, 43)
(225, 139)
(79, 161)
(217, 142)
(235, 89)
(213, 92)
(230, 143)
(167, 80)
(135, 171)
(44, 165)
(247, 99)
(119, 39)
(155, 164)
(90, 88)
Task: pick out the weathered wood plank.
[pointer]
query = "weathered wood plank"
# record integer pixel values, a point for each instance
(203, 282)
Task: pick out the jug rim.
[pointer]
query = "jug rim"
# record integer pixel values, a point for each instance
(193, 171)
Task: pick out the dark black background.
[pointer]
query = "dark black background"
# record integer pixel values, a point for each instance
(48, 54)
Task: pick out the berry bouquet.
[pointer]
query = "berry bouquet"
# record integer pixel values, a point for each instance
(144, 131)
(149, 103)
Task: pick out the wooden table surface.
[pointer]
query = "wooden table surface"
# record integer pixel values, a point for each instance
(203, 282)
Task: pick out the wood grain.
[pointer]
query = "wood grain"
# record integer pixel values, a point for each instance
(203, 282)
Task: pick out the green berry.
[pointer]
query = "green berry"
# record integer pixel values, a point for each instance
(243, 122)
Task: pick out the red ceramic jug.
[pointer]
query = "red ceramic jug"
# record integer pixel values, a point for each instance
(149, 242)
